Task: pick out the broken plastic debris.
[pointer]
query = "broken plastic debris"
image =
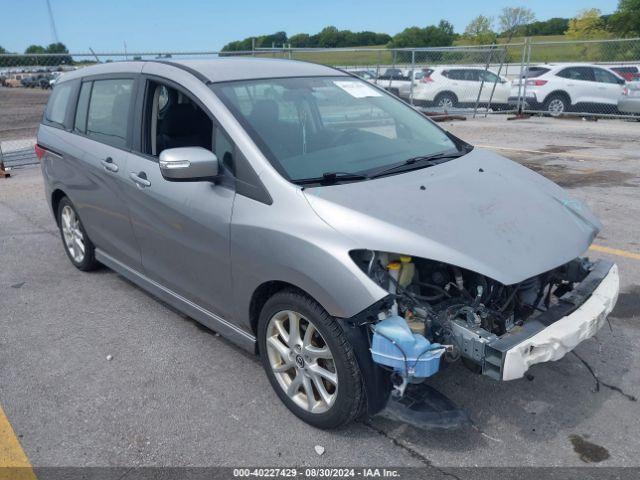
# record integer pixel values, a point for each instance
(109, 357)
(319, 449)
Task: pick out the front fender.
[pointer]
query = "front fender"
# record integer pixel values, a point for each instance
(301, 250)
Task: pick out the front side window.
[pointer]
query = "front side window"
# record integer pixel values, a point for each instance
(584, 74)
(174, 120)
(108, 114)
(602, 76)
(489, 77)
(308, 127)
(58, 103)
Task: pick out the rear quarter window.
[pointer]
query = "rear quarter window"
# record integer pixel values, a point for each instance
(58, 104)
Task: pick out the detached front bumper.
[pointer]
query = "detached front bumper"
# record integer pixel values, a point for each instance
(551, 335)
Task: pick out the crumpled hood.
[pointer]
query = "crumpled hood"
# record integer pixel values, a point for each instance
(481, 212)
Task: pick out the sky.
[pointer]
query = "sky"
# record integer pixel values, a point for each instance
(191, 25)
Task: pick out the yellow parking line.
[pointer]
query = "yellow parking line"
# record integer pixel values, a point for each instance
(14, 464)
(615, 251)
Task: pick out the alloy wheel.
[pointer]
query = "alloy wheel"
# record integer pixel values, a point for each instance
(301, 361)
(445, 103)
(72, 233)
(556, 107)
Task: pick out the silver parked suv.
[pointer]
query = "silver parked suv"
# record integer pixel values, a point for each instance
(313, 218)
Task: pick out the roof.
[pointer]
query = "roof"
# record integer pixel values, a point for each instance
(248, 68)
(220, 69)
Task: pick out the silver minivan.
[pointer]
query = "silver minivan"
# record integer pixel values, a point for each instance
(316, 220)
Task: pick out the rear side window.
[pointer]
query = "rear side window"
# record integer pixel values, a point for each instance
(108, 114)
(57, 106)
(534, 72)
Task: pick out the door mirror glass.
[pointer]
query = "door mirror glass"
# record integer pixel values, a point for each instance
(188, 164)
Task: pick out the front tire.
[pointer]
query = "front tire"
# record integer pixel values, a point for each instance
(77, 244)
(309, 361)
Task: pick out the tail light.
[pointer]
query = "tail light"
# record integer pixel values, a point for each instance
(39, 151)
(426, 79)
(536, 83)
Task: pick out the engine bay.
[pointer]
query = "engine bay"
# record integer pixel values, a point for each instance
(457, 310)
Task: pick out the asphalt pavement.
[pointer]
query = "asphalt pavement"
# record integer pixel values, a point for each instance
(176, 394)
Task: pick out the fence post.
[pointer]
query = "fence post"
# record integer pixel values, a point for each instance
(524, 89)
(378, 65)
(495, 82)
(475, 108)
(412, 75)
(392, 66)
(521, 77)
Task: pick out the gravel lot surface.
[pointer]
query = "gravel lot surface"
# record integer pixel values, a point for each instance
(20, 111)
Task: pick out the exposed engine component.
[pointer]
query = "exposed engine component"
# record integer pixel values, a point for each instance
(451, 306)
(410, 355)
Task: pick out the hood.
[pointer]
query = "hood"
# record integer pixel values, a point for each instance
(480, 212)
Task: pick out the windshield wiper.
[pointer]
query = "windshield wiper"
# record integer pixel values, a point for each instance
(329, 178)
(419, 162)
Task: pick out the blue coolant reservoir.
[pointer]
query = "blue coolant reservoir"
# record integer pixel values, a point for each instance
(410, 354)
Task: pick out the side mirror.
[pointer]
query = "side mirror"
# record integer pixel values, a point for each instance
(188, 164)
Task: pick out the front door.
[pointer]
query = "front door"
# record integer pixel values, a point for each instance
(182, 227)
(609, 87)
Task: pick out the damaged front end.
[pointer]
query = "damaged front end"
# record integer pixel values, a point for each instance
(436, 311)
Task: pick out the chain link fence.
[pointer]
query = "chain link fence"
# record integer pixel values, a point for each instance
(583, 78)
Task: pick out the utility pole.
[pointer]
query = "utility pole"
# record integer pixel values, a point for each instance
(52, 23)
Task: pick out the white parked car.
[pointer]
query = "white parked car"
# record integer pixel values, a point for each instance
(562, 88)
(629, 102)
(451, 87)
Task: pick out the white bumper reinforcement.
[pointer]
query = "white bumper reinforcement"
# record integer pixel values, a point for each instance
(562, 336)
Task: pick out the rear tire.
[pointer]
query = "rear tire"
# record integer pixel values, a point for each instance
(313, 371)
(556, 104)
(75, 240)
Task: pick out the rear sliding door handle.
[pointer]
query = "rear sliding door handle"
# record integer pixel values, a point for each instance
(140, 179)
(108, 164)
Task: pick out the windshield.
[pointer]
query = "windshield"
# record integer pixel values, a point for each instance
(308, 127)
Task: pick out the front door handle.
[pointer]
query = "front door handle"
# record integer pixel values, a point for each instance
(108, 164)
(140, 179)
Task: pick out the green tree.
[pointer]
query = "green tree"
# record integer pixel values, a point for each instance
(480, 31)
(512, 19)
(587, 25)
(35, 49)
(299, 40)
(626, 20)
(441, 35)
(57, 48)
(553, 26)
